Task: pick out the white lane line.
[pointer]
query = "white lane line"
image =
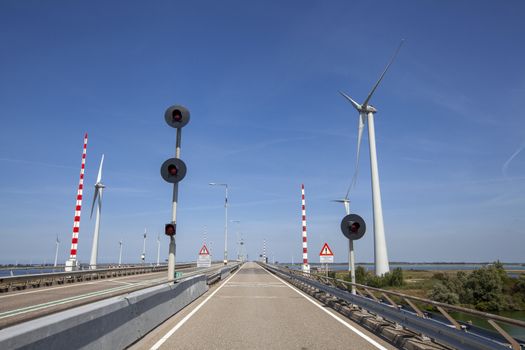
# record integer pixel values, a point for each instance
(187, 317)
(340, 320)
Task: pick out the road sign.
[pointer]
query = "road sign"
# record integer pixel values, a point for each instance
(204, 259)
(204, 250)
(326, 256)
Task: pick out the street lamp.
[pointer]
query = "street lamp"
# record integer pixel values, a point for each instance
(225, 220)
(237, 236)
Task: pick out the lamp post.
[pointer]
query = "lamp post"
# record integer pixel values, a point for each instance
(225, 220)
(237, 237)
(158, 250)
(143, 256)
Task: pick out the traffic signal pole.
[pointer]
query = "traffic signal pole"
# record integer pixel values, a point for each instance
(173, 245)
(172, 171)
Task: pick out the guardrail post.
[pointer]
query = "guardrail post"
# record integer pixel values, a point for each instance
(372, 295)
(393, 303)
(449, 318)
(513, 343)
(415, 308)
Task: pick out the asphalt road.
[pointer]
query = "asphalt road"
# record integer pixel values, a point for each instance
(254, 309)
(20, 306)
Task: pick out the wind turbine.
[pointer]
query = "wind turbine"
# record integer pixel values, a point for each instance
(97, 197)
(120, 254)
(366, 113)
(57, 243)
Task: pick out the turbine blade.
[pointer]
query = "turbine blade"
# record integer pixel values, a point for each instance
(382, 75)
(99, 177)
(361, 126)
(356, 105)
(95, 195)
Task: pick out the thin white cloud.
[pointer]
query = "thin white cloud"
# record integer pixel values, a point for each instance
(505, 166)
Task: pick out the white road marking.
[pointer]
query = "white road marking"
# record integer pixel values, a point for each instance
(340, 320)
(248, 297)
(255, 284)
(187, 317)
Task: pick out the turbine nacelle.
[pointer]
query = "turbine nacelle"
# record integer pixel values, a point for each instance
(361, 108)
(368, 109)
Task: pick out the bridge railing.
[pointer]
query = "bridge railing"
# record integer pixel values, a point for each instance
(385, 305)
(11, 283)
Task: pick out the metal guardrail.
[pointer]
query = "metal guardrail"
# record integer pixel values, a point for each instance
(453, 334)
(11, 283)
(211, 278)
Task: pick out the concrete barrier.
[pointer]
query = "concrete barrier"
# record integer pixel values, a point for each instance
(113, 323)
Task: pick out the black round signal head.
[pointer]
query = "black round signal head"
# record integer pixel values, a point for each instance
(170, 230)
(177, 116)
(173, 170)
(353, 226)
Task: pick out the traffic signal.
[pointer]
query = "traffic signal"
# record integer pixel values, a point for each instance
(177, 116)
(170, 229)
(173, 170)
(353, 226)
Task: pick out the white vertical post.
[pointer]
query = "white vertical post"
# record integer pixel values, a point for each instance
(120, 254)
(94, 247)
(173, 245)
(158, 250)
(306, 266)
(143, 256)
(56, 252)
(380, 251)
(226, 227)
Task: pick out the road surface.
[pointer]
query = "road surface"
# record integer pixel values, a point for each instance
(254, 309)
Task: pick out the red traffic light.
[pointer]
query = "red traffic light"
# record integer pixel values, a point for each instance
(176, 116)
(170, 230)
(172, 170)
(354, 227)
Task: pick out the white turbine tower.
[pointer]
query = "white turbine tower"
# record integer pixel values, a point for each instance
(97, 197)
(366, 113)
(57, 243)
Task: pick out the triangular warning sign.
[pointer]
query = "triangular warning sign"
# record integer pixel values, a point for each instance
(326, 251)
(204, 250)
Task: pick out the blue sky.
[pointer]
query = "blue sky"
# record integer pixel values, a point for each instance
(261, 81)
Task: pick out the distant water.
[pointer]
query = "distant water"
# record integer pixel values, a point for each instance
(420, 267)
(28, 271)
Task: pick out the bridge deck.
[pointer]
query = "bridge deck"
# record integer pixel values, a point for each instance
(20, 306)
(256, 310)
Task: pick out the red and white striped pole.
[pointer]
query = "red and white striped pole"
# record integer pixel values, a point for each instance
(306, 266)
(71, 263)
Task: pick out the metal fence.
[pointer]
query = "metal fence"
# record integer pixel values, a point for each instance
(406, 313)
(12, 283)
